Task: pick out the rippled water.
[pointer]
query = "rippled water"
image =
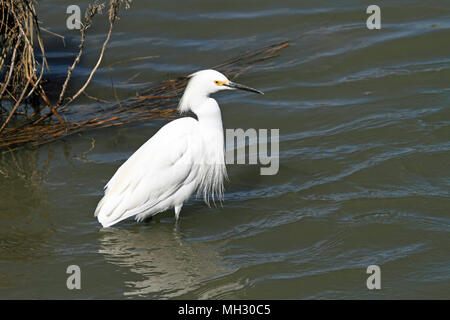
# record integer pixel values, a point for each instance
(364, 160)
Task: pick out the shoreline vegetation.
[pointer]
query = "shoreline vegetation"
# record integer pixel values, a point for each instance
(29, 117)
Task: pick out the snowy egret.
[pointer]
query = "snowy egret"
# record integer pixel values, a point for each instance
(184, 156)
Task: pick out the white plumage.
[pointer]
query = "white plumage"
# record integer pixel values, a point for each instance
(184, 156)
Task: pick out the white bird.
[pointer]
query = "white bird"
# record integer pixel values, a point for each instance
(184, 156)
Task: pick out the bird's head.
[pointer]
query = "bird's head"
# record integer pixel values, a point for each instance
(204, 83)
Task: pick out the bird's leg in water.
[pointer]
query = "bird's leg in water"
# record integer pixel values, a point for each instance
(177, 211)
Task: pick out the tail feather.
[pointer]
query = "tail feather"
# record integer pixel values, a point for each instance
(108, 211)
(108, 221)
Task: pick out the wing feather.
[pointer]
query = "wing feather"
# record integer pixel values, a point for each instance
(153, 174)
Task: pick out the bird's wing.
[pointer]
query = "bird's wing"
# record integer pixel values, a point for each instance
(154, 172)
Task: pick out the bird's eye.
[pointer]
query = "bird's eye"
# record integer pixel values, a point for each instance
(216, 82)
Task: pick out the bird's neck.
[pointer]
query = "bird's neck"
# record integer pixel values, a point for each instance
(213, 171)
(212, 168)
(210, 123)
(208, 114)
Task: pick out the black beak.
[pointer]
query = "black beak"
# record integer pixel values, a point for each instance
(242, 87)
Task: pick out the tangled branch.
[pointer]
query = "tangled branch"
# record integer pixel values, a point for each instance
(18, 63)
(19, 32)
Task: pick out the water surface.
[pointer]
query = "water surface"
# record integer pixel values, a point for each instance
(364, 160)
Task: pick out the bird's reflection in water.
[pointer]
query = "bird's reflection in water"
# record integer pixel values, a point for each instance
(169, 265)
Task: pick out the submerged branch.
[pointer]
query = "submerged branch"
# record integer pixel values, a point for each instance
(158, 101)
(21, 84)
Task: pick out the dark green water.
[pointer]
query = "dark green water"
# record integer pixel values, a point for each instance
(364, 173)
